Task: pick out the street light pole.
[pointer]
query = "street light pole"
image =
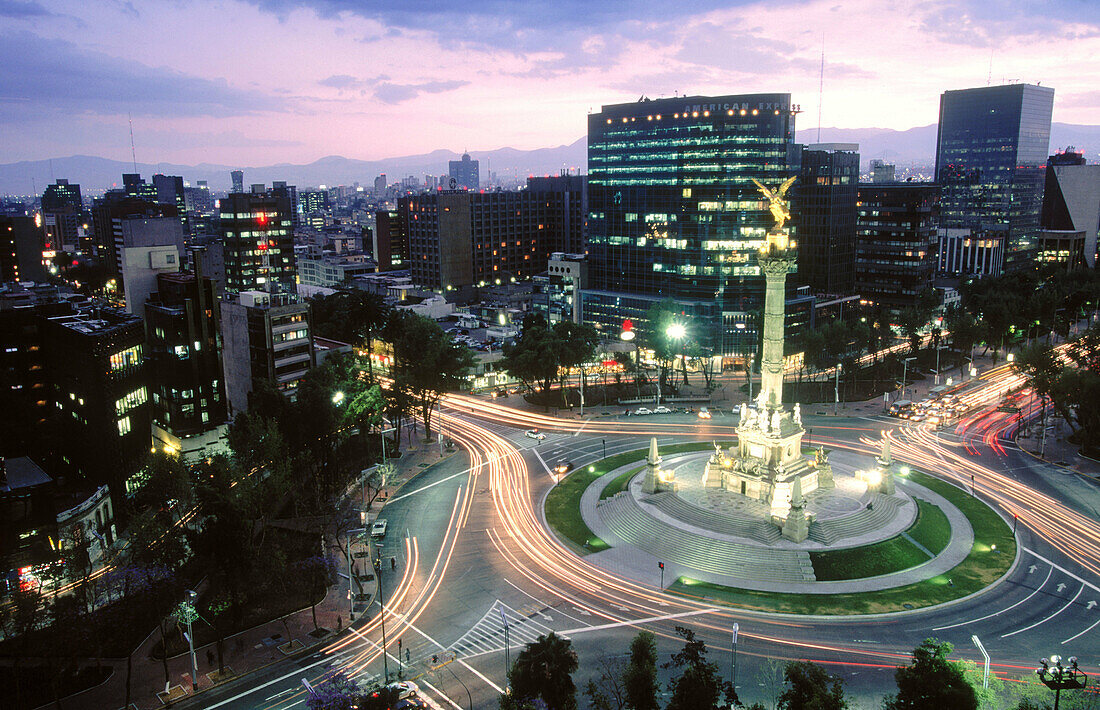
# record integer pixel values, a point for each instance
(985, 672)
(733, 658)
(1060, 677)
(507, 645)
(905, 374)
(836, 391)
(191, 641)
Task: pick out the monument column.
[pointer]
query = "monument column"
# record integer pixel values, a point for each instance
(776, 264)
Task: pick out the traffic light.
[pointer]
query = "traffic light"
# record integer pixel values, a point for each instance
(661, 565)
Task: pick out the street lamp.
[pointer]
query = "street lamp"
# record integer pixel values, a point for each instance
(337, 397)
(677, 331)
(905, 373)
(836, 390)
(191, 613)
(1061, 678)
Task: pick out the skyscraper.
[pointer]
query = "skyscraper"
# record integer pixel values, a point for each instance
(258, 241)
(1071, 206)
(238, 180)
(465, 172)
(896, 242)
(674, 212)
(63, 218)
(991, 151)
(824, 207)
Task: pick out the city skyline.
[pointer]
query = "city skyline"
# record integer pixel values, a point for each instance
(321, 77)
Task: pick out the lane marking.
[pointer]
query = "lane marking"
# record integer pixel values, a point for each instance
(1063, 570)
(989, 616)
(578, 431)
(1070, 602)
(635, 622)
(548, 471)
(442, 480)
(440, 693)
(1082, 633)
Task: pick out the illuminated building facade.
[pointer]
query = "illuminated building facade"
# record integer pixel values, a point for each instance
(990, 157)
(896, 242)
(258, 241)
(824, 205)
(674, 212)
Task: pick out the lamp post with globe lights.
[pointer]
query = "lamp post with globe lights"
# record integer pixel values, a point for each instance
(1061, 677)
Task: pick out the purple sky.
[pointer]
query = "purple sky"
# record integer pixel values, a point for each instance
(262, 81)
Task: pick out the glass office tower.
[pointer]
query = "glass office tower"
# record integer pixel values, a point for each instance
(674, 212)
(990, 158)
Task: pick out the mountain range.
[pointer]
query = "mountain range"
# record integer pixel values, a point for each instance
(914, 147)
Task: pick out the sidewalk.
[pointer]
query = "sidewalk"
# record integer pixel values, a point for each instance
(252, 649)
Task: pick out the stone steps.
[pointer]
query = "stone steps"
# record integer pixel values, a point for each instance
(884, 510)
(762, 531)
(628, 521)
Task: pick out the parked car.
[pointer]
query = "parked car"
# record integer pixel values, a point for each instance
(662, 410)
(405, 688)
(534, 434)
(379, 528)
(641, 411)
(704, 413)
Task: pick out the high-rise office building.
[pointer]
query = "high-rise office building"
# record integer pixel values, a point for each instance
(1071, 210)
(238, 180)
(146, 246)
(64, 219)
(896, 242)
(258, 241)
(390, 248)
(21, 247)
(882, 172)
(380, 185)
(465, 173)
(824, 208)
(265, 337)
(186, 388)
(674, 212)
(108, 214)
(99, 389)
(468, 238)
(991, 150)
(135, 186)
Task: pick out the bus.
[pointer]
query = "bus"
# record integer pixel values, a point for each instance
(899, 407)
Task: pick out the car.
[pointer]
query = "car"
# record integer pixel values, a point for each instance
(563, 466)
(704, 413)
(379, 528)
(917, 417)
(405, 689)
(413, 702)
(662, 410)
(641, 411)
(534, 434)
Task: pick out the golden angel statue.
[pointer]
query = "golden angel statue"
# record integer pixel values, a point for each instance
(777, 203)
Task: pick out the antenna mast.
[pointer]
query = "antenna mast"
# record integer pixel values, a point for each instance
(133, 151)
(820, 87)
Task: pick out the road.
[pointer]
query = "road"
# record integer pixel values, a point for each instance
(471, 547)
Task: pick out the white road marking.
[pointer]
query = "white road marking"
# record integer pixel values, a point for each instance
(578, 431)
(1063, 570)
(1068, 604)
(989, 616)
(1082, 633)
(635, 622)
(442, 480)
(440, 693)
(548, 471)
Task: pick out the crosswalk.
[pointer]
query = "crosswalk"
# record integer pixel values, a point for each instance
(487, 635)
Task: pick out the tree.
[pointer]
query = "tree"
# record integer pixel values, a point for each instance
(543, 671)
(339, 692)
(931, 682)
(317, 574)
(659, 317)
(809, 687)
(700, 685)
(533, 358)
(575, 345)
(164, 478)
(427, 363)
(640, 676)
(911, 321)
(607, 692)
(351, 316)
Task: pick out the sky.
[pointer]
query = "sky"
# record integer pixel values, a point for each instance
(256, 82)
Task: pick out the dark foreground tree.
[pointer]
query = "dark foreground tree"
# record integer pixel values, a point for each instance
(809, 687)
(543, 671)
(931, 682)
(700, 685)
(640, 677)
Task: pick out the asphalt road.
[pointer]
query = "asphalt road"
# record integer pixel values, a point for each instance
(463, 559)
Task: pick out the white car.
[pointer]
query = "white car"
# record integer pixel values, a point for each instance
(642, 411)
(704, 413)
(662, 410)
(534, 434)
(379, 528)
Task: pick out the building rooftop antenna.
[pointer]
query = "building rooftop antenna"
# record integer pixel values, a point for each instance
(989, 78)
(133, 151)
(820, 87)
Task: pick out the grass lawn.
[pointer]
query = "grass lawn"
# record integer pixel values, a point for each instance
(884, 557)
(932, 530)
(619, 483)
(563, 504)
(990, 557)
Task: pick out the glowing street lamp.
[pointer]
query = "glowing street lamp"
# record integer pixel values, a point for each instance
(337, 397)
